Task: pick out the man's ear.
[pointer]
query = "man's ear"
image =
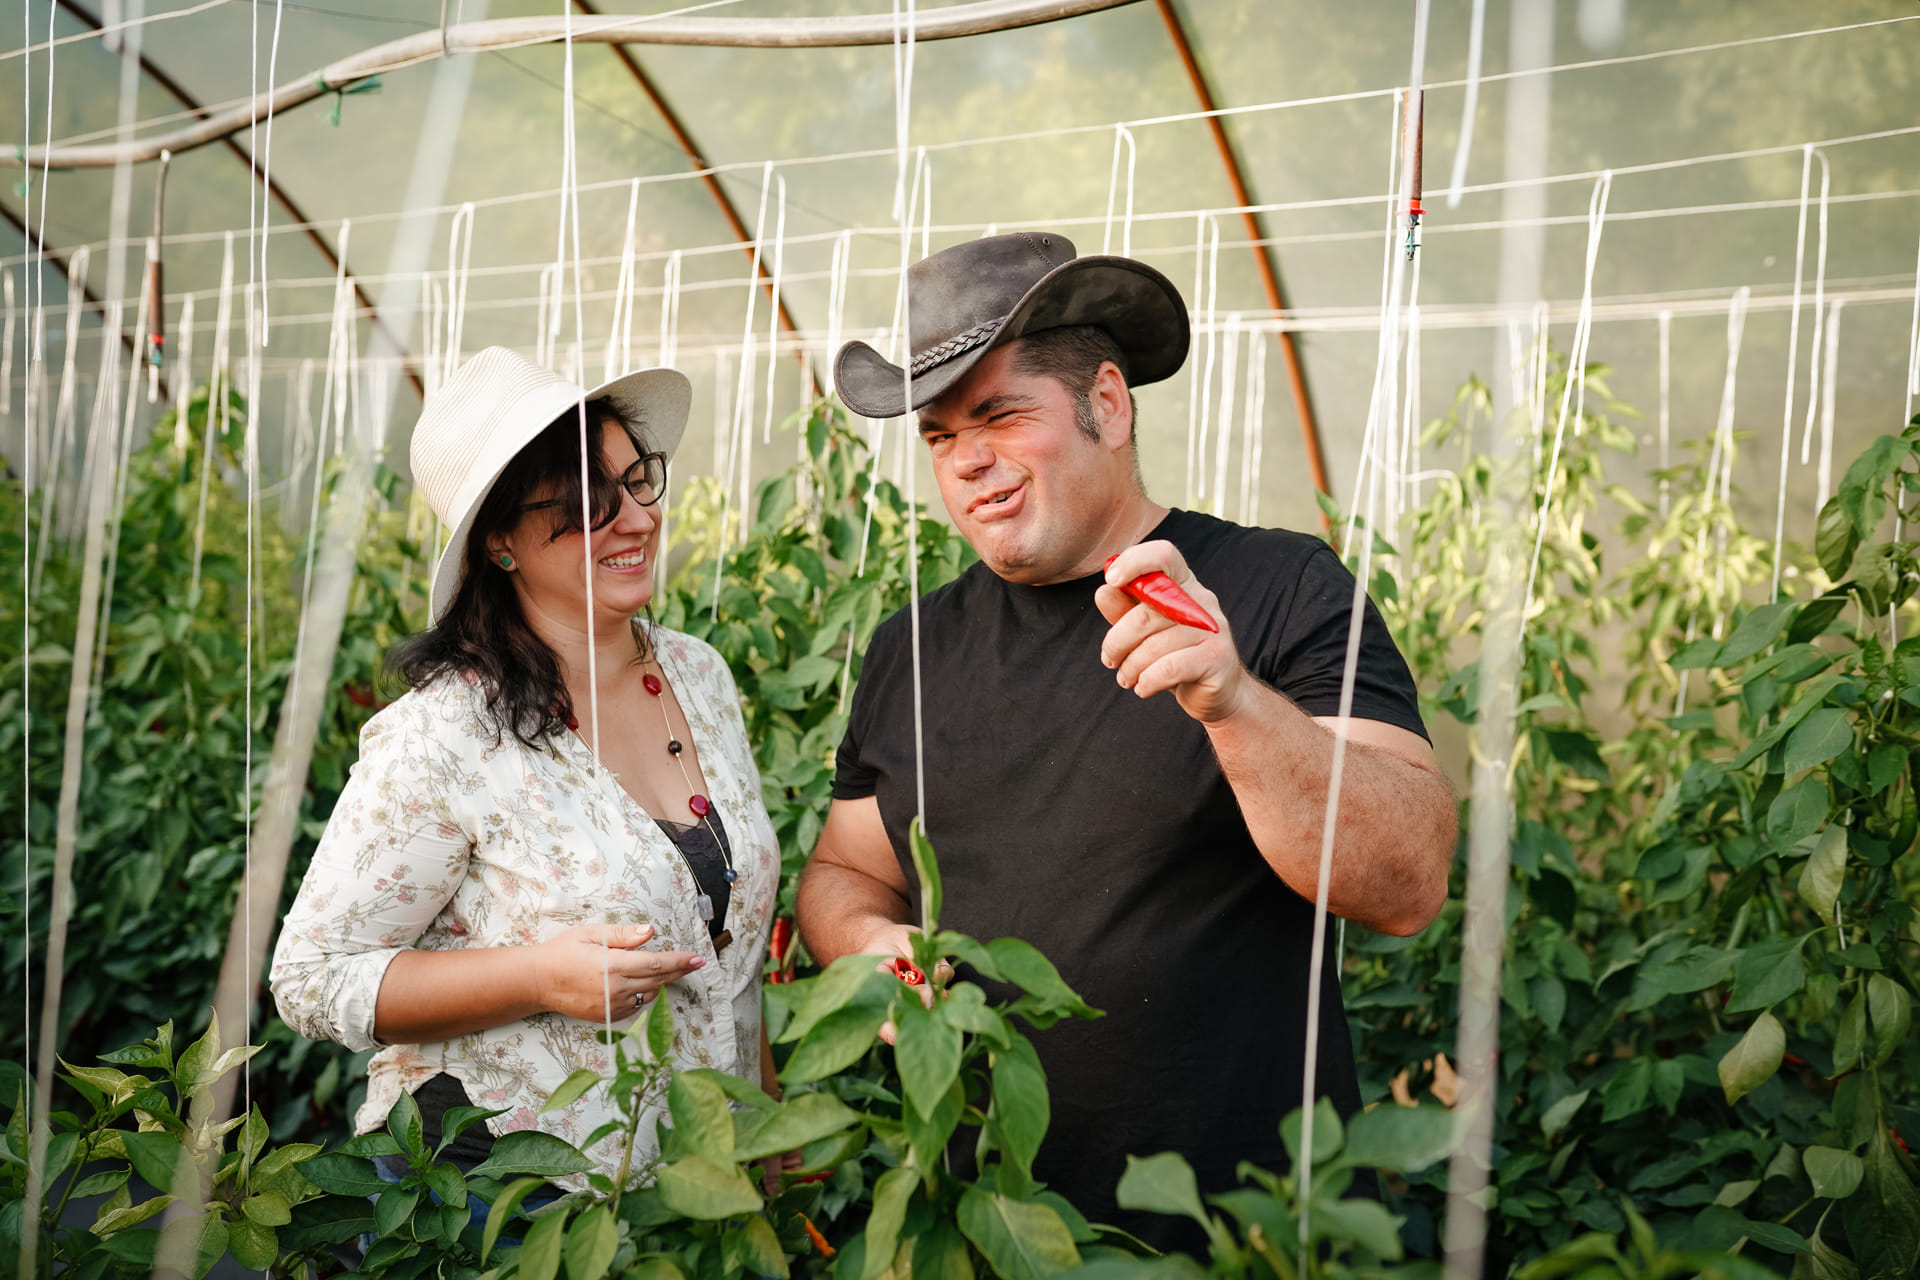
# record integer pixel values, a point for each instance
(1112, 406)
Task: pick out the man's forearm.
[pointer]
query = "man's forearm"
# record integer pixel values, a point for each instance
(845, 912)
(1396, 828)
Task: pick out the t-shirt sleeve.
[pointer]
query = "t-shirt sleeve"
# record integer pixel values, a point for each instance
(854, 775)
(1304, 655)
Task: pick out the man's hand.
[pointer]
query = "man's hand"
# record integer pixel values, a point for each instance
(1150, 653)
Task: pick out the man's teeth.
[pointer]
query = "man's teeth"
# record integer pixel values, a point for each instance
(995, 501)
(633, 561)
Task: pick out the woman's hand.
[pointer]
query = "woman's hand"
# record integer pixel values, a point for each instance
(591, 966)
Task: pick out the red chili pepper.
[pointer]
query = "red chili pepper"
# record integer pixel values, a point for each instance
(1793, 1060)
(821, 1176)
(813, 1234)
(782, 936)
(1163, 595)
(1902, 1141)
(903, 969)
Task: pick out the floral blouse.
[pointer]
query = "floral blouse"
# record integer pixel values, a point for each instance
(444, 839)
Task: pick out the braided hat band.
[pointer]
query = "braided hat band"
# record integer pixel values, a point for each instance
(959, 344)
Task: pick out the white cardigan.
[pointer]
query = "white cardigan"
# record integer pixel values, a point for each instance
(443, 839)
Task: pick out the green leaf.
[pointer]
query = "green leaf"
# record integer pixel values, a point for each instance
(927, 1052)
(403, 1122)
(156, 1157)
(1669, 1082)
(1363, 1222)
(1817, 615)
(343, 1175)
(446, 1182)
(394, 1207)
(1022, 965)
(1020, 1240)
(1400, 1139)
(1835, 1174)
(502, 1211)
(1883, 1218)
(1561, 1113)
(807, 1117)
(571, 1089)
(530, 1151)
(1328, 1132)
(539, 1256)
(755, 1248)
(1757, 631)
(1890, 1012)
(1696, 656)
(702, 1118)
(1797, 812)
(1850, 1037)
(1162, 1183)
(890, 1196)
(1752, 1062)
(130, 1215)
(1835, 539)
(253, 1245)
(848, 981)
(370, 1145)
(941, 1253)
(1825, 872)
(591, 1241)
(659, 1030)
(1767, 973)
(834, 1043)
(1020, 1101)
(928, 870)
(1885, 763)
(1625, 1092)
(269, 1209)
(928, 1135)
(696, 1187)
(1819, 738)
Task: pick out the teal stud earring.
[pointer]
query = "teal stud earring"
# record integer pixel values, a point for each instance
(506, 561)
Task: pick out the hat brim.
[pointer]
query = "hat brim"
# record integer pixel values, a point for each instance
(658, 400)
(1135, 304)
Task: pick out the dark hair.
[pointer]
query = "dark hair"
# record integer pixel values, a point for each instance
(484, 634)
(1072, 356)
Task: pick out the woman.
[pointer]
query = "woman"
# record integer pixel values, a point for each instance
(561, 820)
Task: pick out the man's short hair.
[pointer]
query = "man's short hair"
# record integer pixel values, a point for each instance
(1072, 356)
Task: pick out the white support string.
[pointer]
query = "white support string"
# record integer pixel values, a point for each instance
(1255, 429)
(266, 188)
(619, 354)
(670, 313)
(903, 40)
(1120, 134)
(1406, 493)
(1720, 456)
(1576, 376)
(1196, 312)
(220, 394)
(1365, 495)
(1815, 373)
(1829, 385)
(1793, 368)
(1666, 412)
(64, 407)
(459, 278)
(1229, 378)
(6, 348)
(737, 436)
(1197, 455)
(773, 311)
(1470, 107)
(837, 273)
(1913, 349)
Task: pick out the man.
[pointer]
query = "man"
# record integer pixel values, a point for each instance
(1141, 800)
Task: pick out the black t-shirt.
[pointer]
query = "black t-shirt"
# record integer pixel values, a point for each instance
(1096, 825)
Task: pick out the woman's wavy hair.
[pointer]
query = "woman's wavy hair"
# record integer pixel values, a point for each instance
(484, 634)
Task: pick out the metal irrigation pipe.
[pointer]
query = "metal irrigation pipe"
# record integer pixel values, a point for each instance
(514, 33)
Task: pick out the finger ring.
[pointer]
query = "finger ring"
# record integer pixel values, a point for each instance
(639, 999)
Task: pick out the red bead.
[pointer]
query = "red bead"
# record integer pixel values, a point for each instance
(651, 683)
(700, 805)
(572, 723)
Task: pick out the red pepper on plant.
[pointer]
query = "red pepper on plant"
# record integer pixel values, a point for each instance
(813, 1234)
(903, 969)
(1163, 595)
(778, 947)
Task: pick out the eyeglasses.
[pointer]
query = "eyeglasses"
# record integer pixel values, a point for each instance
(645, 480)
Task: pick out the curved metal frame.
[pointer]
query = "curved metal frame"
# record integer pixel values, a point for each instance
(514, 33)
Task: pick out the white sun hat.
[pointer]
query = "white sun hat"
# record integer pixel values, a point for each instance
(492, 408)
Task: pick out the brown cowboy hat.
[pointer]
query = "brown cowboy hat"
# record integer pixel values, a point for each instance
(965, 301)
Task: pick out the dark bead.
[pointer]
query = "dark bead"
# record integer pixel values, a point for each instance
(732, 875)
(572, 723)
(651, 683)
(673, 747)
(700, 805)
